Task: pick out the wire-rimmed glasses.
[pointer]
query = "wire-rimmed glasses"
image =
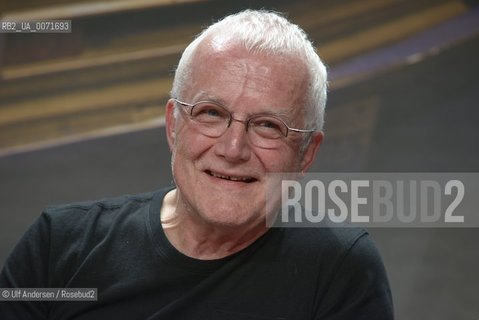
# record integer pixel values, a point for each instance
(265, 131)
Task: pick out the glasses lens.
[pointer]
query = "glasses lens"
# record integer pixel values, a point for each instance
(211, 118)
(267, 131)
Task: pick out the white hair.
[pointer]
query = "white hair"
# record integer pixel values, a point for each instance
(266, 32)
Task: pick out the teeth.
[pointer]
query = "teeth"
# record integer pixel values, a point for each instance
(245, 179)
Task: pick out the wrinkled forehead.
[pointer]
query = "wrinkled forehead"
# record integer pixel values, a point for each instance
(228, 60)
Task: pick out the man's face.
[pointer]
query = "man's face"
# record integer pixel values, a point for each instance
(222, 181)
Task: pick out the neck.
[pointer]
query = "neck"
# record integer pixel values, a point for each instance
(200, 240)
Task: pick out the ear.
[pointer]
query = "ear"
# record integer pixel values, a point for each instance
(311, 149)
(170, 123)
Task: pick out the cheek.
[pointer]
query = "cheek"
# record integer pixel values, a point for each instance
(190, 145)
(282, 160)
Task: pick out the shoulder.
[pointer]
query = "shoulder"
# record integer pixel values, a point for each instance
(346, 269)
(102, 211)
(335, 252)
(81, 226)
(101, 205)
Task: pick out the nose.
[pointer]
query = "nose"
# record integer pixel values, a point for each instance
(233, 145)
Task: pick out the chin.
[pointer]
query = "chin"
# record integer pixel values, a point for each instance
(232, 218)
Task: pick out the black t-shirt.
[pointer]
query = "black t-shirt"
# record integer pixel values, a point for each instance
(119, 247)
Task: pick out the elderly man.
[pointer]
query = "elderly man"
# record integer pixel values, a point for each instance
(248, 99)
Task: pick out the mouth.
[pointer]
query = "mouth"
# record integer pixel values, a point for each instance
(243, 179)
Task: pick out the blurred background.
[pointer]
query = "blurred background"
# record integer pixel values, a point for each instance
(81, 113)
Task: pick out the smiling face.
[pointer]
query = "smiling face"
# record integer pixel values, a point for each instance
(222, 181)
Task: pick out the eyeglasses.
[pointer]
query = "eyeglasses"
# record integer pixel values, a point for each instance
(265, 131)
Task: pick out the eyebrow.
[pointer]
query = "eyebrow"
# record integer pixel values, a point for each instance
(282, 113)
(205, 96)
